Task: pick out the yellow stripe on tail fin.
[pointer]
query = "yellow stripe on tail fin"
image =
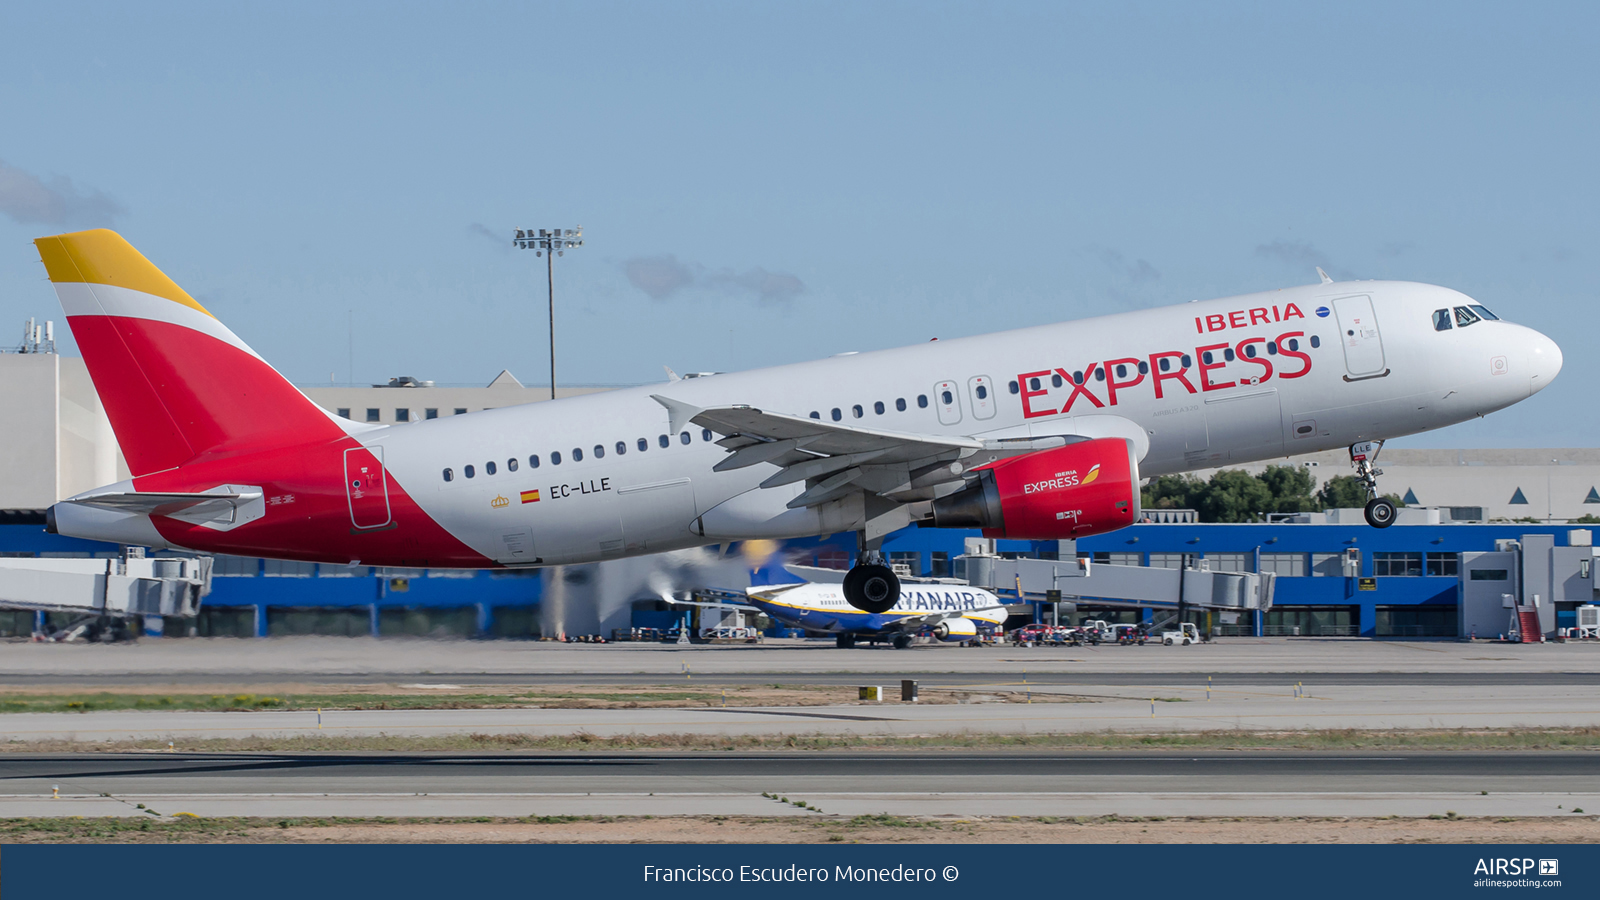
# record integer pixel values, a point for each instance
(103, 257)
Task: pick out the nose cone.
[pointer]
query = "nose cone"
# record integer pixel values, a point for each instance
(1544, 362)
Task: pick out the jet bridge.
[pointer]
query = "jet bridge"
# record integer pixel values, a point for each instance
(1132, 587)
(105, 593)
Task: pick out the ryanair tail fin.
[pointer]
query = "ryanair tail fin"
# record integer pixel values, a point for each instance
(175, 382)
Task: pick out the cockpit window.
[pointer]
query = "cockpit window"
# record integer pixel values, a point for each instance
(1465, 317)
(1441, 320)
(1480, 310)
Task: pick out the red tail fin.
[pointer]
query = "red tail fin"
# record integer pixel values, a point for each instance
(175, 382)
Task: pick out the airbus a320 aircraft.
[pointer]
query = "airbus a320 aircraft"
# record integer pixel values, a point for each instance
(1039, 433)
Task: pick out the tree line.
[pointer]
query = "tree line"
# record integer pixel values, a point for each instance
(1234, 495)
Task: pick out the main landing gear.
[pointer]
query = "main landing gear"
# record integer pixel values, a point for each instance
(871, 586)
(1380, 511)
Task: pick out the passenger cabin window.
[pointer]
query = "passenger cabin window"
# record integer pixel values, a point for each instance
(877, 407)
(577, 454)
(900, 404)
(922, 399)
(643, 445)
(511, 464)
(1166, 363)
(664, 442)
(815, 414)
(488, 468)
(856, 410)
(1465, 317)
(1099, 373)
(837, 415)
(1227, 354)
(555, 457)
(683, 438)
(622, 447)
(1144, 368)
(705, 434)
(1055, 381)
(1185, 360)
(449, 475)
(947, 398)
(599, 451)
(1315, 341)
(533, 461)
(468, 471)
(1441, 320)
(982, 392)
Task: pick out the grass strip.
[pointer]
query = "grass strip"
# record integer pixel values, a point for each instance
(1565, 739)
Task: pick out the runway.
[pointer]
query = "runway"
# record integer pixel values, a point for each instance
(989, 708)
(944, 783)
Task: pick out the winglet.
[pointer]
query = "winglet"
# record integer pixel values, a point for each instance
(671, 375)
(1324, 276)
(678, 413)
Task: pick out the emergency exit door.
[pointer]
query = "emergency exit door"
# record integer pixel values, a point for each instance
(1358, 332)
(366, 487)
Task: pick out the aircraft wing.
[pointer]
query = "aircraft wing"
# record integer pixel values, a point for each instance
(917, 623)
(713, 605)
(835, 459)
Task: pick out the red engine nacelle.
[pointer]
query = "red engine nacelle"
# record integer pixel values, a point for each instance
(1090, 487)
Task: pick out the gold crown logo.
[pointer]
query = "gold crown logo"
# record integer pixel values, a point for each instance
(499, 502)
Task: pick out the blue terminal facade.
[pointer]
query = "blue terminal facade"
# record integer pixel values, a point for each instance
(1410, 587)
(1409, 583)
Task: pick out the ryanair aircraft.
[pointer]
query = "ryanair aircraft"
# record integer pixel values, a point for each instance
(955, 613)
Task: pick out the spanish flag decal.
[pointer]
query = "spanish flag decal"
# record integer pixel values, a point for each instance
(1093, 474)
(530, 496)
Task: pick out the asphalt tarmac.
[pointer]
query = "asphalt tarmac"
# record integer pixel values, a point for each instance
(943, 783)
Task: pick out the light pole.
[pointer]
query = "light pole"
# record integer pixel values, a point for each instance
(550, 243)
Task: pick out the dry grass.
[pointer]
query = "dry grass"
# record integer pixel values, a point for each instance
(1559, 739)
(807, 830)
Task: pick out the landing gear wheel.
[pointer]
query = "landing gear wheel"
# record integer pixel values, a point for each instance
(1381, 512)
(902, 641)
(844, 641)
(871, 588)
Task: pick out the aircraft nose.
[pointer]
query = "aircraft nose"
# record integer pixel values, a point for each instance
(1544, 362)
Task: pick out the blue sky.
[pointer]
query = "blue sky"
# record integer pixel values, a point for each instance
(776, 182)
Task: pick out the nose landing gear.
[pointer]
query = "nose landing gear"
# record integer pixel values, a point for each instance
(1380, 511)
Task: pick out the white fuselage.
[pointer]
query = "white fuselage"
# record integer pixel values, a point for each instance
(1326, 381)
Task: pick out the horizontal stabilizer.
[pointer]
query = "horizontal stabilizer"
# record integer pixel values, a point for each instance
(153, 503)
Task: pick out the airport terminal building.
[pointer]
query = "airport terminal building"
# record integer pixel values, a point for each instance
(1488, 533)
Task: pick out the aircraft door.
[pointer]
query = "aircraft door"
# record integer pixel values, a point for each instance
(980, 393)
(366, 486)
(1358, 331)
(948, 404)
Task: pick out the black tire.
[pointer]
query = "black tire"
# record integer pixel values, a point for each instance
(902, 641)
(844, 641)
(1381, 512)
(873, 589)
